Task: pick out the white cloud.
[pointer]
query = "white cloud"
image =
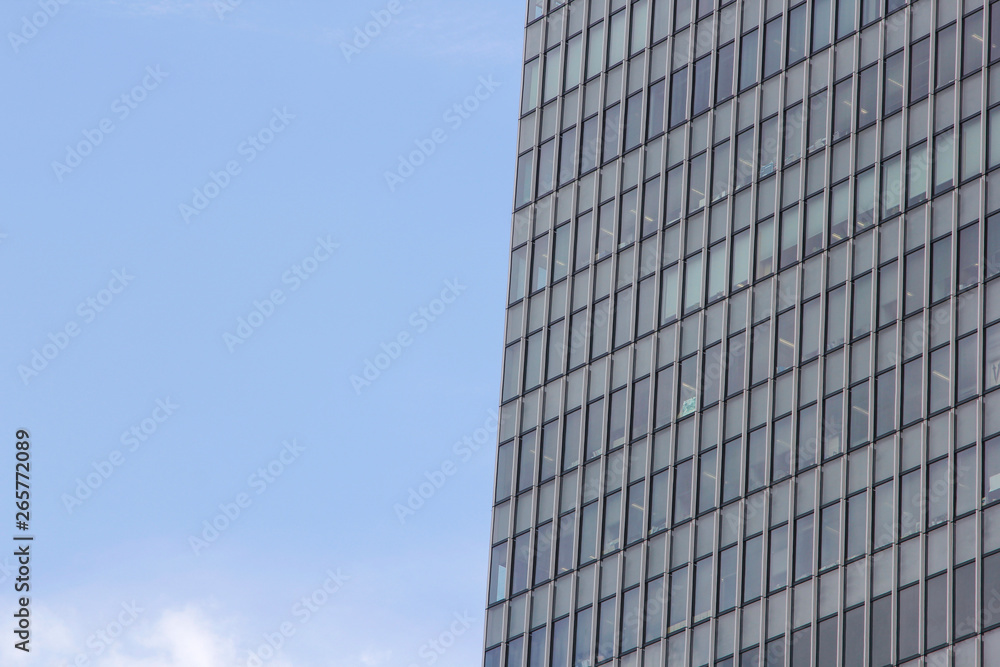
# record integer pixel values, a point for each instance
(186, 637)
(374, 658)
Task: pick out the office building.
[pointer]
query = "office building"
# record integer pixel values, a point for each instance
(750, 411)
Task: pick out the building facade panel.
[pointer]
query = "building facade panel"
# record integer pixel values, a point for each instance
(750, 410)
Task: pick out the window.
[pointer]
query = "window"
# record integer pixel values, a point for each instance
(972, 43)
(857, 525)
(522, 188)
(945, 56)
(865, 199)
(797, 33)
(702, 84)
(731, 472)
(522, 562)
(920, 55)
(677, 618)
(756, 460)
(765, 247)
(498, 573)
(635, 519)
(724, 73)
(779, 558)
(991, 584)
(817, 121)
(655, 600)
(789, 237)
(845, 17)
(589, 147)
(633, 121)
(678, 97)
(839, 212)
(882, 632)
(821, 24)
(612, 123)
(893, 84)
(772, 47)
(793, 134)
(583, 650)
(868, 96)
(908, 622)
(941, 269)
(991, 473)
(682, 492)
(842, 109)
(964, 601)
(658, 502)
(808, 437)
(885, 412)
(752, 558)
(917, 168)
(696, 183)
(728, 568)
(748, 60)
(703, 580)
(830, 536)
(971, 147)
(657, 104)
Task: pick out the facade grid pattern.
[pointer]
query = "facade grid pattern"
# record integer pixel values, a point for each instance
(750, 411)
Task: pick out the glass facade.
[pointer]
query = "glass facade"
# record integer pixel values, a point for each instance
(750, 412)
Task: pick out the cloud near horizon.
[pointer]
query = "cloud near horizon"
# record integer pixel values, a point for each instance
(178, 637)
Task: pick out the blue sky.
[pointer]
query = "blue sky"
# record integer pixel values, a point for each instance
(200, 250)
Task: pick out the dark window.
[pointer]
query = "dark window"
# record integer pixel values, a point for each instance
(882, 632)
(702, 84)
(826, 644)
(678, 97)
(724, 75)
(657, 103)
(909, 622)
(854, 637)
(936, 630)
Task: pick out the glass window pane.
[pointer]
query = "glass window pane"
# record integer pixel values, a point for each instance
(724, 73)
(972, 43)
(678, 97)
(920, 54)
(748, 60)
(752, 558)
